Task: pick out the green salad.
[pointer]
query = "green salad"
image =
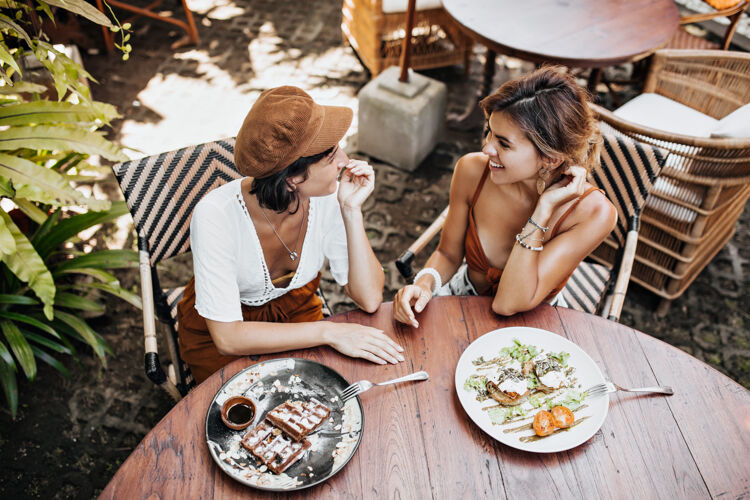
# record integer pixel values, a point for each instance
(522, 378)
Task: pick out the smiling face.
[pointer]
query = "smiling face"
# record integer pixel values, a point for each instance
(512, 155)
(322, 175)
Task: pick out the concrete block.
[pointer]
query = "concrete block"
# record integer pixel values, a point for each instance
(401, 123)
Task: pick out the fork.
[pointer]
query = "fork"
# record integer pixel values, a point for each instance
(363, 385)
(602, 389)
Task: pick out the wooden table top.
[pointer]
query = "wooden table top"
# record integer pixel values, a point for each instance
(577, 33)
(419, 443)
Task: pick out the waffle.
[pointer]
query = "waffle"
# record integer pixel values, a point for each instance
(273, 448)
(298, 418)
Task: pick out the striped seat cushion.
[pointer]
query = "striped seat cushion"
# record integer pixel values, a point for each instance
(627, 172)
(173, 297)
(585, 288)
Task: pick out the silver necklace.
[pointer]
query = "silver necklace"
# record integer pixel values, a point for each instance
(292, 253)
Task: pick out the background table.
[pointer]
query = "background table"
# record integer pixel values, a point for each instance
(419, 443)
(574, 33)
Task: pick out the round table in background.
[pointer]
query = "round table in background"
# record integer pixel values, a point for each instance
(419, 443)
(575, 33)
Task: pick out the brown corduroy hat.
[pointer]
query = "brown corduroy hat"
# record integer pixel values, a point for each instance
(283, 125)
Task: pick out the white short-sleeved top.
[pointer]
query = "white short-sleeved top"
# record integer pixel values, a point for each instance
(228, 260)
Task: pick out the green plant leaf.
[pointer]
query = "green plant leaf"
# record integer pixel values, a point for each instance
(54, 363)
(46, 342)
(26, 264)
(98, 274)
(73, 301)
(36, 112)
(41, 184)
(10, 387)
(116, 290)
(82, 8)
(20, 347)
(8, 59)
(22, 87)
(86, 332)
(6, 356)
(48, 239)
(6, 188)
(7, 242)
(103, 259)
(29, 320)
(30, 209)
(6, 298)
(59, 138)
(9, 24)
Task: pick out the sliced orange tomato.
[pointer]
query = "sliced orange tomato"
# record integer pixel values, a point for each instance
(562, 416)
(544, 423)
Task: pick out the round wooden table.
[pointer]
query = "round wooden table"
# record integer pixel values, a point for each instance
(419, 443)
(575, 33)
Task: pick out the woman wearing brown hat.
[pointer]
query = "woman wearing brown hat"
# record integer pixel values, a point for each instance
(521, 212)
(259, 242)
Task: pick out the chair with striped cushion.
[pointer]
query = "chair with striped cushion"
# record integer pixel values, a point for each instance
(161, 192)
(627, 172)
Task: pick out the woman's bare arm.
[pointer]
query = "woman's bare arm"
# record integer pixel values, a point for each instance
(530, 276)
(366, 277)
(239, 338)
(450, 251)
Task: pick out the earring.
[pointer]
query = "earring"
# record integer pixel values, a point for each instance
(540, 185)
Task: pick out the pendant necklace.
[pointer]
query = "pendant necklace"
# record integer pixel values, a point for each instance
(292, 253)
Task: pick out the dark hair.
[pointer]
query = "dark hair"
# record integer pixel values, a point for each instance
(552, 110)
(275, 193)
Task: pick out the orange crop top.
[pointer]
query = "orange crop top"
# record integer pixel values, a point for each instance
(476, 260)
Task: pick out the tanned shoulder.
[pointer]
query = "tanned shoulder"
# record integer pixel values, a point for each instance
(599, 213)
(467, 174)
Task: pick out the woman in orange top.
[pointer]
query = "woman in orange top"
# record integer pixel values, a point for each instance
(521, 212)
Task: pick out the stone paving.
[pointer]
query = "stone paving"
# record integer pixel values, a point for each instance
(172, 98)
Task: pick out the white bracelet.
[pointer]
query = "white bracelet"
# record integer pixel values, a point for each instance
(435, 276)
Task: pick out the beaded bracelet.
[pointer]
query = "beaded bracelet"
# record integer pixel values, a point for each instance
(541, 228)
(525, 237)
(527, 246)
(438, 282)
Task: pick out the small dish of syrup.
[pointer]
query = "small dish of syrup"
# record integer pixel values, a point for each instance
(238, 412)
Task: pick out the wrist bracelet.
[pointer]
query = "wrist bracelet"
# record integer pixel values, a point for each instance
(541, 228)
(435, 276)
(527, 246)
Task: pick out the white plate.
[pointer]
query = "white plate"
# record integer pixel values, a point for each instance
(587, 373)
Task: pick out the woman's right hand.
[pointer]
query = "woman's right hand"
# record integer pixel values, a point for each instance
(410, 296)
(360, 341)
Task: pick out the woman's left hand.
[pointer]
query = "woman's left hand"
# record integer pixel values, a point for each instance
(570, 186)
(356, 184)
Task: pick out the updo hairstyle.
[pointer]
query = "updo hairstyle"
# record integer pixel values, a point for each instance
(552, 110)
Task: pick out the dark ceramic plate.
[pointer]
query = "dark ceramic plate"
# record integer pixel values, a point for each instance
(269, 384)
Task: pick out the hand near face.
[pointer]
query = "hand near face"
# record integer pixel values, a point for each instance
(570, 186)
(356, 184)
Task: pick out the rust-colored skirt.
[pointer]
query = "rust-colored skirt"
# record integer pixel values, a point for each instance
(197, 348)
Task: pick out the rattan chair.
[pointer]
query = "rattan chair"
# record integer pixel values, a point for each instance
(161, 192)
(682, 39)
(377, 36)
(626, 174)
(703, 188)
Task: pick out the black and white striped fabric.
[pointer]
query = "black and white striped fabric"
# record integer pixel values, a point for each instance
(627, 173)
(162, 190)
